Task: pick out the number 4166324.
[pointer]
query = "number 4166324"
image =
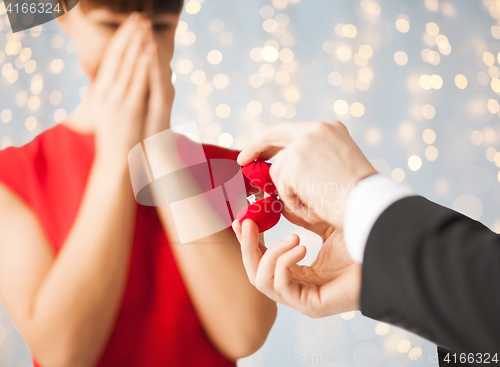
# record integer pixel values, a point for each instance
(39, 8)
(471, 358)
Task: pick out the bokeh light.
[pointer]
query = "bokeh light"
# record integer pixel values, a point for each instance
(417, 87)
(403, 23)
(414, 162)
(461, 81)
(401, 58)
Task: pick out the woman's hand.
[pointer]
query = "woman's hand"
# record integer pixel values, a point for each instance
(118, 96)
(162, 92)
(317, 170)
(329, 286)
(66, 306)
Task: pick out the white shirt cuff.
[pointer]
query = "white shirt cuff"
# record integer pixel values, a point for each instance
(366, 202)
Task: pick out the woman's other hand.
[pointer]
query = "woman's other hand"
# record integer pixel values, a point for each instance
(162, 92)
(118, 97)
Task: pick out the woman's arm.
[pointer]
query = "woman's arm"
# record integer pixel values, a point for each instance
(65, 306)
(235, 315)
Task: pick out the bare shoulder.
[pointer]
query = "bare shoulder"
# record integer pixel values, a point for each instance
(25, 253)
(19, 224)
(10, 202)
(13, 211)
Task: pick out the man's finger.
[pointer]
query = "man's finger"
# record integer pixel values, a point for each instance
(250, 248)
(237, 229)
(264, 279)
(270, 141)
(287, 288)
(319, 228)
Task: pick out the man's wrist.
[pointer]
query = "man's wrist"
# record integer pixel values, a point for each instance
(336, 214)
(366, 176)
(367, 201)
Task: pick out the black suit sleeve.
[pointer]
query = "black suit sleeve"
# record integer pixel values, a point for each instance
(434, 272)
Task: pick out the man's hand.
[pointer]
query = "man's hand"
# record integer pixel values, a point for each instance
(329, 286)
(317, 170)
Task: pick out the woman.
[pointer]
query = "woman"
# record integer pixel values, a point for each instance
(88, 276)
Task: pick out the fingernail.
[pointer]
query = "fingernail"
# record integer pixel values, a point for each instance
(289, 239)
(244, 228)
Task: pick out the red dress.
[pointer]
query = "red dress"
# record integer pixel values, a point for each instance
(157, 325)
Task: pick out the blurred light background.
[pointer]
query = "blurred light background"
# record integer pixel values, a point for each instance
(416, 82)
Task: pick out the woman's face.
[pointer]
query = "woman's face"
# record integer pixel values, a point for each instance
(92, 30)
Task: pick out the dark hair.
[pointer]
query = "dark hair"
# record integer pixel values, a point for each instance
(128, 6)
